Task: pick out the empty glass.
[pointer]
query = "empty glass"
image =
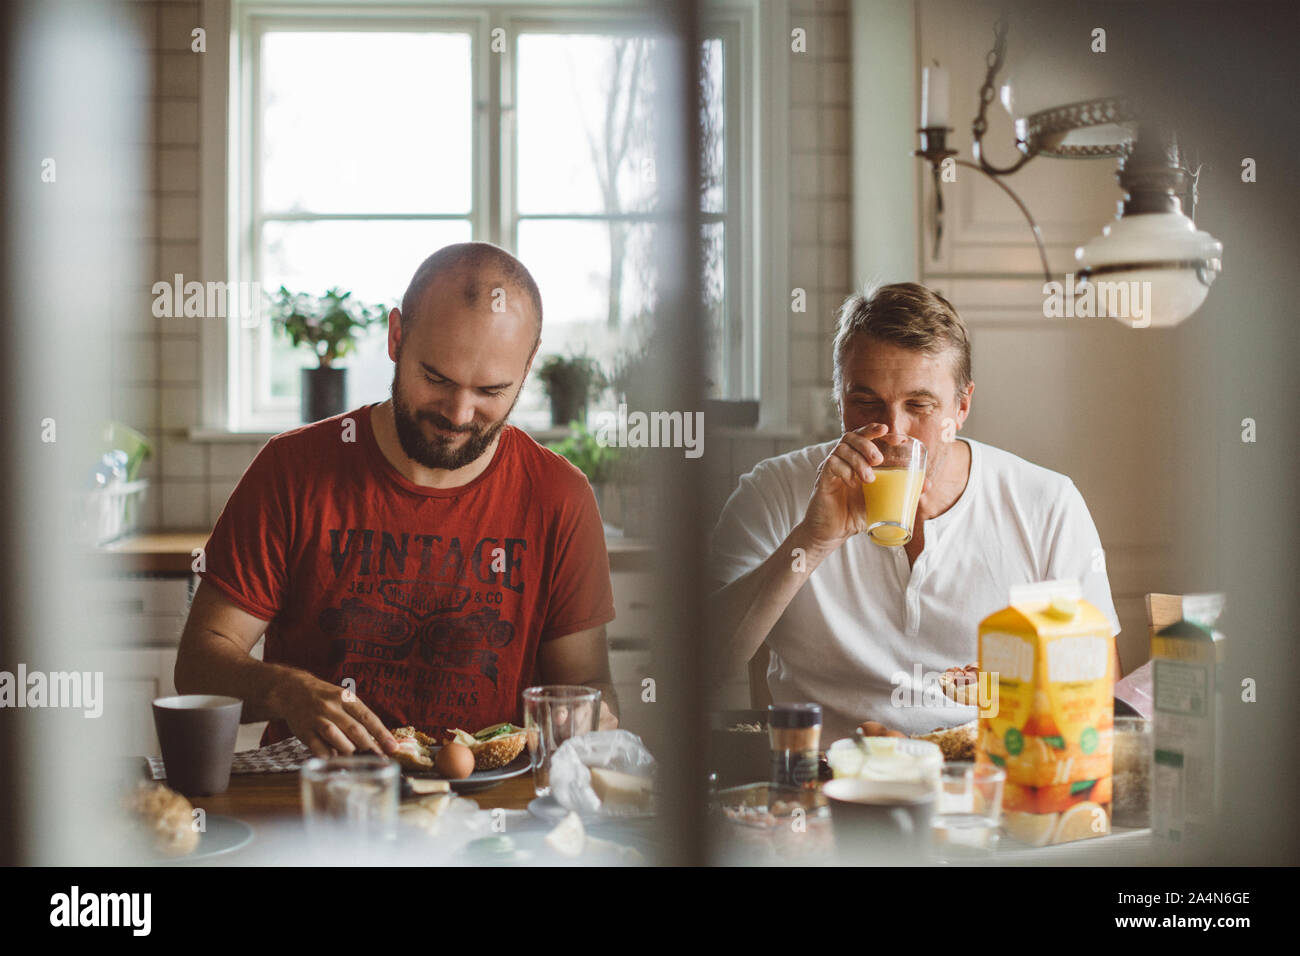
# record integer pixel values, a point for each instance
(970, 808)
(352, 797)
(1132, 780)
(552, 715)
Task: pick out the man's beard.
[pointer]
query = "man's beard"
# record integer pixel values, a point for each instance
(438, 451)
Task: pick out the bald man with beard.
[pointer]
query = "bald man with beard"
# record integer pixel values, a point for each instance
(417, 561)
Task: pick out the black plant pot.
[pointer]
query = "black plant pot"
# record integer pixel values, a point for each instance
(567, 406)
(324, 393)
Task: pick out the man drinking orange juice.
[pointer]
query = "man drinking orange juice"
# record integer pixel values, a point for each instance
(851, 619)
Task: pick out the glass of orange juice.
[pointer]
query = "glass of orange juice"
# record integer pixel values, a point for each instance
(891, 499)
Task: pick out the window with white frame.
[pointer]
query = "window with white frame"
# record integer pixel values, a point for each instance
(362, 143)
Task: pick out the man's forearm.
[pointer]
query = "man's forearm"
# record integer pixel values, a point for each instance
(744, 612)
(210, 665)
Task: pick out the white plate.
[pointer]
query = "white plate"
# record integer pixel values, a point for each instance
(221, 835)
(479, 779)
(548, 810)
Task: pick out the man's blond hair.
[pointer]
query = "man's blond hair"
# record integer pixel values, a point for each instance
(908, 315)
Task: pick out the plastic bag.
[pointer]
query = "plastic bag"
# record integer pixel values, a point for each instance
(571, 766)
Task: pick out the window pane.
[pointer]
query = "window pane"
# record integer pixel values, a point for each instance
(583, 311)
(572, 262)
(584, 120)
(373, 260)
(713, 249)
(366, 122)
(713, 127)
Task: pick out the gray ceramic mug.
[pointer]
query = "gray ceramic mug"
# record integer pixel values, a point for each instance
(881, 822)
(197, 735)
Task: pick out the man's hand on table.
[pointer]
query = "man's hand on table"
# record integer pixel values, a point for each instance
(329, 719)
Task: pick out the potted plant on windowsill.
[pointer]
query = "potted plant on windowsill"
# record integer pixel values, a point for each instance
(329, 325)
(570, 382)
(600, 463)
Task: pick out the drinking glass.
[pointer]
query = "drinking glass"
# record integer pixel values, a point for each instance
(970, 808)
(1132, 779)
(353, 797)
(892, 497)
(552, 715)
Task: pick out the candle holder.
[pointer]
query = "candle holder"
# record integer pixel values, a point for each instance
(934, 144)
(934, 149)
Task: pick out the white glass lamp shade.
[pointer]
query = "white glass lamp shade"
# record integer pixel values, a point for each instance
(1150, 269)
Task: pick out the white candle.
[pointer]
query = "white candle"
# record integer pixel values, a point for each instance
(934, 96)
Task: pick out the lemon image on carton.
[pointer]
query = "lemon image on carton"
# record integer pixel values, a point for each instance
(1052, 655)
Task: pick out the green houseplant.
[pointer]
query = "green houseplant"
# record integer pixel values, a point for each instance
(570, 382)
(602, 464)
(598, 462)
(329, 325)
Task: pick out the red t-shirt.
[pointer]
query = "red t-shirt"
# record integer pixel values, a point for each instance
(434, 601)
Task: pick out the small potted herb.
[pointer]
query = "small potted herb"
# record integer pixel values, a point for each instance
(329, 325)
(570, 382)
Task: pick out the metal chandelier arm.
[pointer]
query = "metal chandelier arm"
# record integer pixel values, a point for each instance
(988, 92)
(1038, 235)
(937, 156)
(986, 167)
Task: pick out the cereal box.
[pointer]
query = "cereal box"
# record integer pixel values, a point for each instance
(1187, 654)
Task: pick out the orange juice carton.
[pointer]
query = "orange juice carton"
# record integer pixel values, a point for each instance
(1187, 664)
(1051, 656)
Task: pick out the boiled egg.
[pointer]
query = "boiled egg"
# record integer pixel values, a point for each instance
(454, 761)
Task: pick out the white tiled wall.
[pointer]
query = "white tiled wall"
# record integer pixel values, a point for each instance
(156, 360)
(820, 179)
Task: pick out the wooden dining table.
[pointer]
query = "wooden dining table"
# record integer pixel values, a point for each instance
(275, 798)
(253, 796)
(258, 820)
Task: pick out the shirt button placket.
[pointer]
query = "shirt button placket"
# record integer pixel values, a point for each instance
(914, 590)
(907, 578)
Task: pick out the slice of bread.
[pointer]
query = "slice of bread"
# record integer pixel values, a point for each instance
(413, 752)
(164, 818)
(499, 751)
(957, 743)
